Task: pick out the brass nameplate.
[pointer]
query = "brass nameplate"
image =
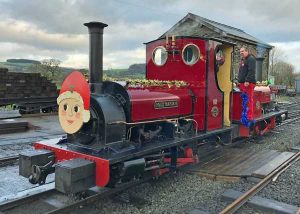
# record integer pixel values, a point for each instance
(166, 104)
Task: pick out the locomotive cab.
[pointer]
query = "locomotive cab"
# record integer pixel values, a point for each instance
(206, 67)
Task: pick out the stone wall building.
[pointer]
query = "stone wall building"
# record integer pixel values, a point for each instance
(197, 26)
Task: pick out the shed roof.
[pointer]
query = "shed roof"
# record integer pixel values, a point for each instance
(191, 25)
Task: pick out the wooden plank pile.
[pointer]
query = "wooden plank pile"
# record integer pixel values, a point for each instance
(21, 85)
(7, 127)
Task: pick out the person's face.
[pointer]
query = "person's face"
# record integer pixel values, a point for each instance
(243, 52)
(70, 113)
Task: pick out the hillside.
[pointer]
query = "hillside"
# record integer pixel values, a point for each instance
(134, 71)
(24, 65)
(23, 61)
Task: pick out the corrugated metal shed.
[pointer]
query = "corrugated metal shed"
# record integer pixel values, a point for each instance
(297, 84)
(192, 25)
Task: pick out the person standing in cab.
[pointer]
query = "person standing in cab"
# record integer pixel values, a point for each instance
(246, 77)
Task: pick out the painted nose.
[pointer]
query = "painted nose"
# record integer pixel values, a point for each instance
(70, 113)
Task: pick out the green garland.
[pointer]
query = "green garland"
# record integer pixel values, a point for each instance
(263, 83)
(143, 83)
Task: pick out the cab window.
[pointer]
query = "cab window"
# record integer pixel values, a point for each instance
(159, 56)
(190, 54)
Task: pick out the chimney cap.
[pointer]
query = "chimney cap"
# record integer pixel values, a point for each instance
(95, 24)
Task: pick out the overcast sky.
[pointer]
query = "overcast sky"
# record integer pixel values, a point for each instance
(39, 29)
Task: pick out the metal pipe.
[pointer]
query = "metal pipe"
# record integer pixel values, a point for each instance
(259, 66)
(151, 121)
(96, 55)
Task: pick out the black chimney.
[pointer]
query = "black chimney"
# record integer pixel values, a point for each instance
(96, 55)
(259, 65)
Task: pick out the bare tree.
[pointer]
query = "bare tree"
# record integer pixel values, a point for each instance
(50, 68)
(284, 73)
(276, 55)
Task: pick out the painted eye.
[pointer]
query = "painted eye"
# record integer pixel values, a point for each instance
(76, 109)
(65, 107)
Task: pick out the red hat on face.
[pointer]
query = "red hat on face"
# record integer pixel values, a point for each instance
(75, 86)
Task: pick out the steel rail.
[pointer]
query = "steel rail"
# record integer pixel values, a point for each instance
(239, 202)
(288, 121)
(91, 199)
(7, 206)
(5, 160)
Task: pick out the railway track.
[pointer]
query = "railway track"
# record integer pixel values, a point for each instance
(293, 116)
(290, 105)
(294, 113)
(13, 205)
(239, 202)
(4, 161)
(52, 201)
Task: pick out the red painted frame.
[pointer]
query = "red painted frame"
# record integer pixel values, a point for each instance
(188, 158)
(62, 154)
(269, 126)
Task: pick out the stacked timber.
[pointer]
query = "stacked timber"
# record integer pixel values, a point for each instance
(7, 127)
(22, 85)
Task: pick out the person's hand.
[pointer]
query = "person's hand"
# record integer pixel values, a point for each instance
(246, 84)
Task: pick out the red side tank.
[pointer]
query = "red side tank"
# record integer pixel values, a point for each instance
(156, 103)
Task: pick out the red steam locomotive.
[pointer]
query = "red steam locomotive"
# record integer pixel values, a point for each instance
(153, 126)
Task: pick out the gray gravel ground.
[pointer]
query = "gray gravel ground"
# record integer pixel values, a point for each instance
(11, 182)
(182, 192)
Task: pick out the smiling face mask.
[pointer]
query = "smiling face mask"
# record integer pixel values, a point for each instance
(73, 103)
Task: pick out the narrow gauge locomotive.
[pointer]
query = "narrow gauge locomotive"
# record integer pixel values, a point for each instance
(151, 128)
